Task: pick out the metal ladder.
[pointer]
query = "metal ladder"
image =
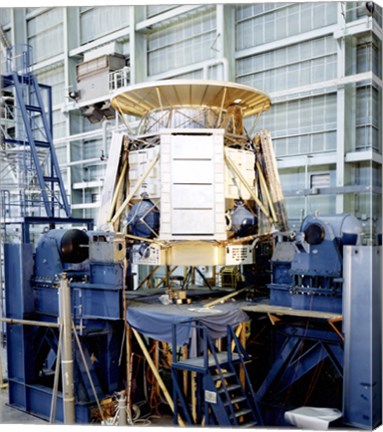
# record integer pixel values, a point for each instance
(222, 400)
(34, 133)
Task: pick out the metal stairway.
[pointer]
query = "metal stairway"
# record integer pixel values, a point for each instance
(30, 150)
(222, 399)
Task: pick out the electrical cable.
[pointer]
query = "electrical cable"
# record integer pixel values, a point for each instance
(122, 347)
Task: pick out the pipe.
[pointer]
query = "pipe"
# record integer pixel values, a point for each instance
(144, 239)
(224, 298)
(67, 351)
(52, 416)
(33, 323)
(168, 398)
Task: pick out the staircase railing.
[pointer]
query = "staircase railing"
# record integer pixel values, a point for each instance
(208, 343)
(243, 357)
(215, 367)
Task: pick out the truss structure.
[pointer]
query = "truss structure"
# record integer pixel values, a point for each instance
(199, 108)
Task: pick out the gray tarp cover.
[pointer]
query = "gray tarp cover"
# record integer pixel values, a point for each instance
(155, 320)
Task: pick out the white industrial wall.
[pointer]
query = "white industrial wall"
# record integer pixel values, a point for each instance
(320, 62)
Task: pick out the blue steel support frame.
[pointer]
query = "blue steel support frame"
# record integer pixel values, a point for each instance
(30, 101)
(55, 170)
(285, 354)
(293, 361)
(23, 394)
(30, 346)
(301, 365)
(32, 145)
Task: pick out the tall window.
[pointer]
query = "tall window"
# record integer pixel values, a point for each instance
(302, 126)
(369, 55)
(153, 10)
(55, 79)
(182, 43)
(59, 126)
(45, 34)
(5, 16)
(257, 24)
(368, 117)
(99, 21)
(293, 66)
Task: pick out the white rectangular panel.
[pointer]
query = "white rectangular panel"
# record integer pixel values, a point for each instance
(194, 222)
(192, 185)
(192, 171)
(244, 161)
(188, 196)
(190, 148)
(139, 161)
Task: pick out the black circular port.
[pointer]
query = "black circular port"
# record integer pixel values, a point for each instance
(74, 246)
(314, 234)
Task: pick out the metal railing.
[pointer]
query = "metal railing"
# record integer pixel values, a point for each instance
(19, 59)
(119, 78)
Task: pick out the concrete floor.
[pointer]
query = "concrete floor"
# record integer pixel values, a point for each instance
(9, 415)
(12, 416)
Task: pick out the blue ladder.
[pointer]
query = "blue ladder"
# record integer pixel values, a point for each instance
(222, 400)
(30, 103)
